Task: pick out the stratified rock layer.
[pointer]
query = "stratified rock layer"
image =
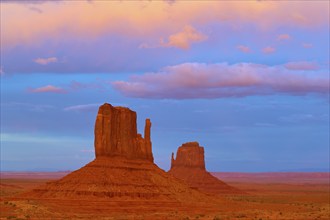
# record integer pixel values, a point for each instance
(189, 166)
(116, 134)
(189, 155)
(122, 170)
(118, 179)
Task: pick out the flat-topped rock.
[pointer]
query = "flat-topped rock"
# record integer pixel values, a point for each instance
(116, 134)
(189, 166)
(189, 155)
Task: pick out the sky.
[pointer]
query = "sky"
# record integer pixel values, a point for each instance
(248, 80)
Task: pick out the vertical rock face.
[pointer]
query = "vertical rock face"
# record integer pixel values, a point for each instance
(189, 155)
(189, 166)
(116, 134)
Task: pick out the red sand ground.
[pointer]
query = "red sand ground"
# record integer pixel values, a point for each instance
(270, 196)
(120, 179)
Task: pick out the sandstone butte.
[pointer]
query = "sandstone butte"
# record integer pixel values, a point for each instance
(123, 170)
(189, 166)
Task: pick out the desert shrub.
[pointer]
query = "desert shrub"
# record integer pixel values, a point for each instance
(199, 215)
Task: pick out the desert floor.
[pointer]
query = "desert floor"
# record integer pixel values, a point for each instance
(268, 196)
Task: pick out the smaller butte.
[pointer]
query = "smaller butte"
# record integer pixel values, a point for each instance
(189, 166)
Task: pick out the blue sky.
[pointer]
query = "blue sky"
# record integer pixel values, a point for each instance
(248, 80)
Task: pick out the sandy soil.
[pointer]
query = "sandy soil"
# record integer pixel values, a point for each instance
(269, 196)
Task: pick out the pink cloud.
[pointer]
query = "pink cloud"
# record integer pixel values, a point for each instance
(183, 39)
(302, 65)
(244, 49)
(200, 80)
(22, 25)
(307, 45)
(48, 89)
(268, 50)
(283, 37)
(73, 86)
(45, 61)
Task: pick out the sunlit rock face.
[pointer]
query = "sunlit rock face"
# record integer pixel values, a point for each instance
(116, 134)
(189, 166)
(189, 155)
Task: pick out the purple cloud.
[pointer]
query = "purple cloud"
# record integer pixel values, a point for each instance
(37, 10)
(219, 80)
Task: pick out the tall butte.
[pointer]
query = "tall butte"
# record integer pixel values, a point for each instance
(122, 170)
(189, 166)
(116, 134)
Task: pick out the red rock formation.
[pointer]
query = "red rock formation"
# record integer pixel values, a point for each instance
(189, 155)
(116, 134)
(122, 170)
(189, 166)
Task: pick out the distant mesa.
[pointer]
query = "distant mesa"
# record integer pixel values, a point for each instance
(189, 166)
(122, 170)
(189, 155)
